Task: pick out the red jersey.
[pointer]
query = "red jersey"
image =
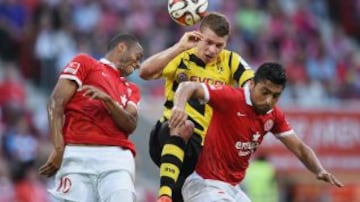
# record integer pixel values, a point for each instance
(235, 132)
(88, 121)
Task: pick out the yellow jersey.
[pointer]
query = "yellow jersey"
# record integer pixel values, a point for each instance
(227, 69)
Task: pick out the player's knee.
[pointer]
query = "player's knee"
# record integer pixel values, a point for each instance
(185, 131)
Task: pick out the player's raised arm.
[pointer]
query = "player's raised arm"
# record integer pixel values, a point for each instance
(152, 67)
(185, 91)
(307, 156)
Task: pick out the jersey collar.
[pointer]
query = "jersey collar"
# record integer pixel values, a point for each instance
(108, 62)
(247, 94)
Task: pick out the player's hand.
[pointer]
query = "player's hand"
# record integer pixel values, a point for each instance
(53, 163)
(190, 39)
(328, 177)
(178, 117)
(95, 93)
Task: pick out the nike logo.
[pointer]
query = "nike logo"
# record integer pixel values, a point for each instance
(240, 114)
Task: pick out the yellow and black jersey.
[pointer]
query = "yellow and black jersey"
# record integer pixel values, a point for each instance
(228, 68)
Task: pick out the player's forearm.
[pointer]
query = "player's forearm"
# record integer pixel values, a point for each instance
(152, 67)
(310, 160)
(185, 91)
(124, 120)
(56, 120)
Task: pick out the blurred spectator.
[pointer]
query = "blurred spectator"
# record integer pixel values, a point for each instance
(260, 181)
(28, 187)
(7, 191)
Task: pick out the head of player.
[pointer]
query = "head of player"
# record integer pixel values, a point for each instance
(267, 86)
(125, 52)
(215, 29)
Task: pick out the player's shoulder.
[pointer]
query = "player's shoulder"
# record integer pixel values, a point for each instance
(84, 57)
(186, 54)
(277, 112)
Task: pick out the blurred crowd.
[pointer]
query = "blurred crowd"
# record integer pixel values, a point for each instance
(316, 41)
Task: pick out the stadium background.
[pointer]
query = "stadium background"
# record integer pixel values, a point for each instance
(317, 42)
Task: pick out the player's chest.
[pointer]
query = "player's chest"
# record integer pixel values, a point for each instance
(108, 82)
(250, 126)
(211, 74)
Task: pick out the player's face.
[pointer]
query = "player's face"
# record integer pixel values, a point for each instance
(130, 59)
(210, 47)
(264, 95)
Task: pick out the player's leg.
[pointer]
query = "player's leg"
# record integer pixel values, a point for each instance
(172, 157)
(115, 168)
(196, 189)
(192, 152)
(158, 136)
(74, 179)
(74, 188)
(116, 186)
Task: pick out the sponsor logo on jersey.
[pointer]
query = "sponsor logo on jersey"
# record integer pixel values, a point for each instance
(72, 68)
(209, 81)
(247, 148)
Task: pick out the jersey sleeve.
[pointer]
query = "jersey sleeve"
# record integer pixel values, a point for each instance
(241, 70)
(77, 69)
(281, 126)
(134, 95)
(218, 96)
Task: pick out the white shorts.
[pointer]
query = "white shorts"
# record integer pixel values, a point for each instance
(91, 174)
(197, 189)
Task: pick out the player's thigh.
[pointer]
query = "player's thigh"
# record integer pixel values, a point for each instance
(74, 187)
(116, 186)
(192, 153)
(158, 137)
(198, 190)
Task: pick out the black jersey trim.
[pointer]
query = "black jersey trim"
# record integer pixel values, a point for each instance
(239, 72)
(197, 61)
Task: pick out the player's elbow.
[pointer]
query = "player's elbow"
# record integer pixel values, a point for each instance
(145, 73)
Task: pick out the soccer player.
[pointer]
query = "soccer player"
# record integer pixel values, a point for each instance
(199, 56)
(92, 110)
(241, 118)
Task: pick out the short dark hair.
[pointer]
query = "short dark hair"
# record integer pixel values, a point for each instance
(273, 72)
(128, 39)
(217, 22)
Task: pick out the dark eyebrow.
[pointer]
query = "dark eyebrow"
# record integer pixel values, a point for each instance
(271, 92)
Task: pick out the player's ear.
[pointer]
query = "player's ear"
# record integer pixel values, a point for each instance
(251, 83)
(121, 47)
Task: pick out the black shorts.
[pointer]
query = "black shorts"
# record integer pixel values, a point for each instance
(158, 137)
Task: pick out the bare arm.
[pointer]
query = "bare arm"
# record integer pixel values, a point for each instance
(185, 91)
(62, 93)
(307, 156)
(125, 119)
(152, 67)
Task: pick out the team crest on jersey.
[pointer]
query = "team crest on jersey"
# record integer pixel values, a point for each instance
(220, 69)
(72, 67)
(268, 125)
(182, 77)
